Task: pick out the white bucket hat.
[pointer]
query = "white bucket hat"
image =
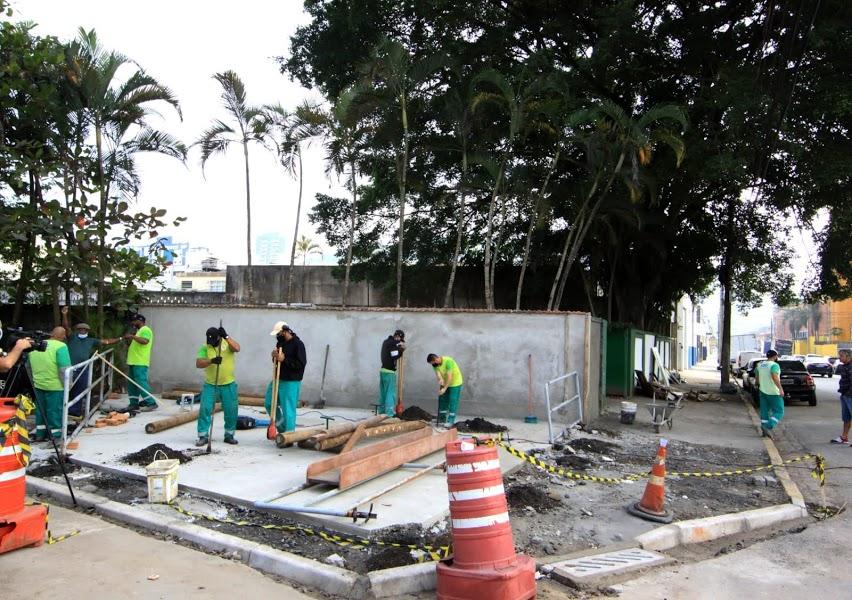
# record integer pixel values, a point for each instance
(279, 325)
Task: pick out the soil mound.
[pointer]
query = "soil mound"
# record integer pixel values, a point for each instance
(146, 456)
(593, 445)
(415, 413)
(51, 468)
(523, 495)
(479, 425)
(573, 461)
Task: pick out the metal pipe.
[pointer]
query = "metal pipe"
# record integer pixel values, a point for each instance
(324, 496)
(331, 512)
(288, 491)
(400, 483)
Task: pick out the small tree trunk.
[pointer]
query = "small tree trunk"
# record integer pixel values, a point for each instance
(250, 282)
(725, 282)
(24, 278)
(403, 173)
(610, 288)
(489, 232)
(295, 230)
(352, 224)
(104, 189)
(448, 296)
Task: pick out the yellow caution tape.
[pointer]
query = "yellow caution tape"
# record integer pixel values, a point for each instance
(50, 539)
(18, 423)
(556, 470)
(435, 553)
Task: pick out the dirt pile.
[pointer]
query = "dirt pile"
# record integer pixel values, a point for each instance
(522, 495)
(51, 468)
(593, 445)
(573, 461)
(415, 413)
(479, 425)
(146, 455)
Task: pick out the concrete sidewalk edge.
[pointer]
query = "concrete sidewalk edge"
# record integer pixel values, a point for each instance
(696, 531)
(386, 583)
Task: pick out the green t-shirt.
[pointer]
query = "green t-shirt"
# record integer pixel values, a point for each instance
(449, 372)
(764, 377)
(80, 349)
(226, 369)
(140, 354)
(45, 366)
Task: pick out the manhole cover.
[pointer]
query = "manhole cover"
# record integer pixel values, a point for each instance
(583, 569)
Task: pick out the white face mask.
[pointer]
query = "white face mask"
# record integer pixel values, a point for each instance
(82, 336)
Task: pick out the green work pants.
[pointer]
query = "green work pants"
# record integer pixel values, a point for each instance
(288, 400)
(387, 392)
(139, 374)
(227, 396)
(448, 405)
(771, 410)
(51, 401)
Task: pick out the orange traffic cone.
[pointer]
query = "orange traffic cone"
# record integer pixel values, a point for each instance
(652, 506)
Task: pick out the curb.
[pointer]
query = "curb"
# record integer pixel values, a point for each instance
(696, 531)
(386, 583)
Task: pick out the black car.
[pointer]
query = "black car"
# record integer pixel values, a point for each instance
(819, 366)
(795, 379)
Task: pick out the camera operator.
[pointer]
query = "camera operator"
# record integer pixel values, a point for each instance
(47, 369)
(8, 361)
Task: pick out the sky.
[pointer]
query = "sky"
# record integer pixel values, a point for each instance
(182, 44)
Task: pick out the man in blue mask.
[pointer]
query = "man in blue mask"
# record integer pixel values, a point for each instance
(80, 346)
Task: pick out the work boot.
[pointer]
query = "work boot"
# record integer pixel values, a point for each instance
(229, 439)
(148, 407)
(201, 441)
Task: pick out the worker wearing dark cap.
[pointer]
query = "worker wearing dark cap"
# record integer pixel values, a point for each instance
(392, 349)
(80, 347)
(217, 359)
(138, 361)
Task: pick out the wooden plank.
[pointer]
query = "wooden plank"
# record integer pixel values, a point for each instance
(353, 439)
(333, 462)
(336, 430)
(354, 473)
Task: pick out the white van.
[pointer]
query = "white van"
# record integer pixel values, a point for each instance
(742, 360)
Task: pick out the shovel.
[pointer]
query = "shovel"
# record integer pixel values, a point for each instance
(271, 430)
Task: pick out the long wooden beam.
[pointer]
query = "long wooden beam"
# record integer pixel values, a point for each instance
(377, 430)
(361, 464)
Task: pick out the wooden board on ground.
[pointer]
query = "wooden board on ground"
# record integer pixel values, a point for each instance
(361, 464)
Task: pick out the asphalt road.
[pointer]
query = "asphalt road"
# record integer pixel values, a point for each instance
(811, 564)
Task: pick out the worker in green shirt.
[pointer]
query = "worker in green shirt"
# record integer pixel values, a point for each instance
(217, 359)
(138, 361)
(449, 387)
(48, 369)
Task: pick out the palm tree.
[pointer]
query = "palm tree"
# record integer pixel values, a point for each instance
(246, 126)
(342, 131)
(617, 137)
(396, 77)
(117, 108)
(306, 246)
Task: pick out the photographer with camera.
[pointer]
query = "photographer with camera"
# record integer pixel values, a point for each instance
(47, 375)
(9, 361)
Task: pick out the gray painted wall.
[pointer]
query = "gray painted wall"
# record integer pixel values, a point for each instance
(490, 347)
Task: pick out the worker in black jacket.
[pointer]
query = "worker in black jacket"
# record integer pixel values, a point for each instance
(392, 349)
(290, 355)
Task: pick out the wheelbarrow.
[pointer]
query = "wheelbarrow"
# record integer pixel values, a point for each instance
(662, 413)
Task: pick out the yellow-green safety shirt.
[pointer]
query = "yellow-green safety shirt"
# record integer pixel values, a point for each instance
(139, 355)
(449, 372)
(226, 369)
(45, 366)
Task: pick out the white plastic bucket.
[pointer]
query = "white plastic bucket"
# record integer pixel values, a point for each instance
(162, 480)
(628, 412)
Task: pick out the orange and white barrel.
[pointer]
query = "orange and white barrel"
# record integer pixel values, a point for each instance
(13, 471)
(482, 533)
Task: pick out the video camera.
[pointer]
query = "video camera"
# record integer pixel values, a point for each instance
(10, 335)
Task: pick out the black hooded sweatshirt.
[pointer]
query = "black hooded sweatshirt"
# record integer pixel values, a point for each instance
(295, 359)
(390, 346)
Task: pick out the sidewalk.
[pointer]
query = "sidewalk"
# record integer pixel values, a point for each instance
(109, 561)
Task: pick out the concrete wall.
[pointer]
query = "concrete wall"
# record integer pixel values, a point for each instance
(311, 284)
(491, 348)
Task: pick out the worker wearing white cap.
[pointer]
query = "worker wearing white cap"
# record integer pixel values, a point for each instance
(290, 355)
(80, 347)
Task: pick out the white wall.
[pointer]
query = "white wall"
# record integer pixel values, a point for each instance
(490, 347)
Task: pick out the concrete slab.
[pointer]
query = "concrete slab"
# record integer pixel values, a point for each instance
(595, 569)
(257, 470)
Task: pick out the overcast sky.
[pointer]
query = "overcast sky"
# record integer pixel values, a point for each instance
(182, 44)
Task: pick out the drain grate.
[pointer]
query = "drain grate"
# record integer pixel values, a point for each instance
(608, 563)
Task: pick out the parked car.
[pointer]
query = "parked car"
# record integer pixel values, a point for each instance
(819, 365)
(742, 360)
(748, 373)
(795, 379)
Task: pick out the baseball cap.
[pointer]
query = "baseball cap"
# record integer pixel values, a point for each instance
(279, 325)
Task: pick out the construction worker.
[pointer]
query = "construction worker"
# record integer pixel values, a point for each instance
(392, 350)
(217, 359)
(48, 370)
(291, 358)
(449, 387)
(138, 361)
(767, 377)
(80, 347)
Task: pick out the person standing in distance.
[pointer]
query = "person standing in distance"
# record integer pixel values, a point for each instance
(291, 358)
(80, 348)
(392, 349)
(48, 369)
(138, 362)
(844, 387)
(768, 378)
(217, 359)
(449, 387)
